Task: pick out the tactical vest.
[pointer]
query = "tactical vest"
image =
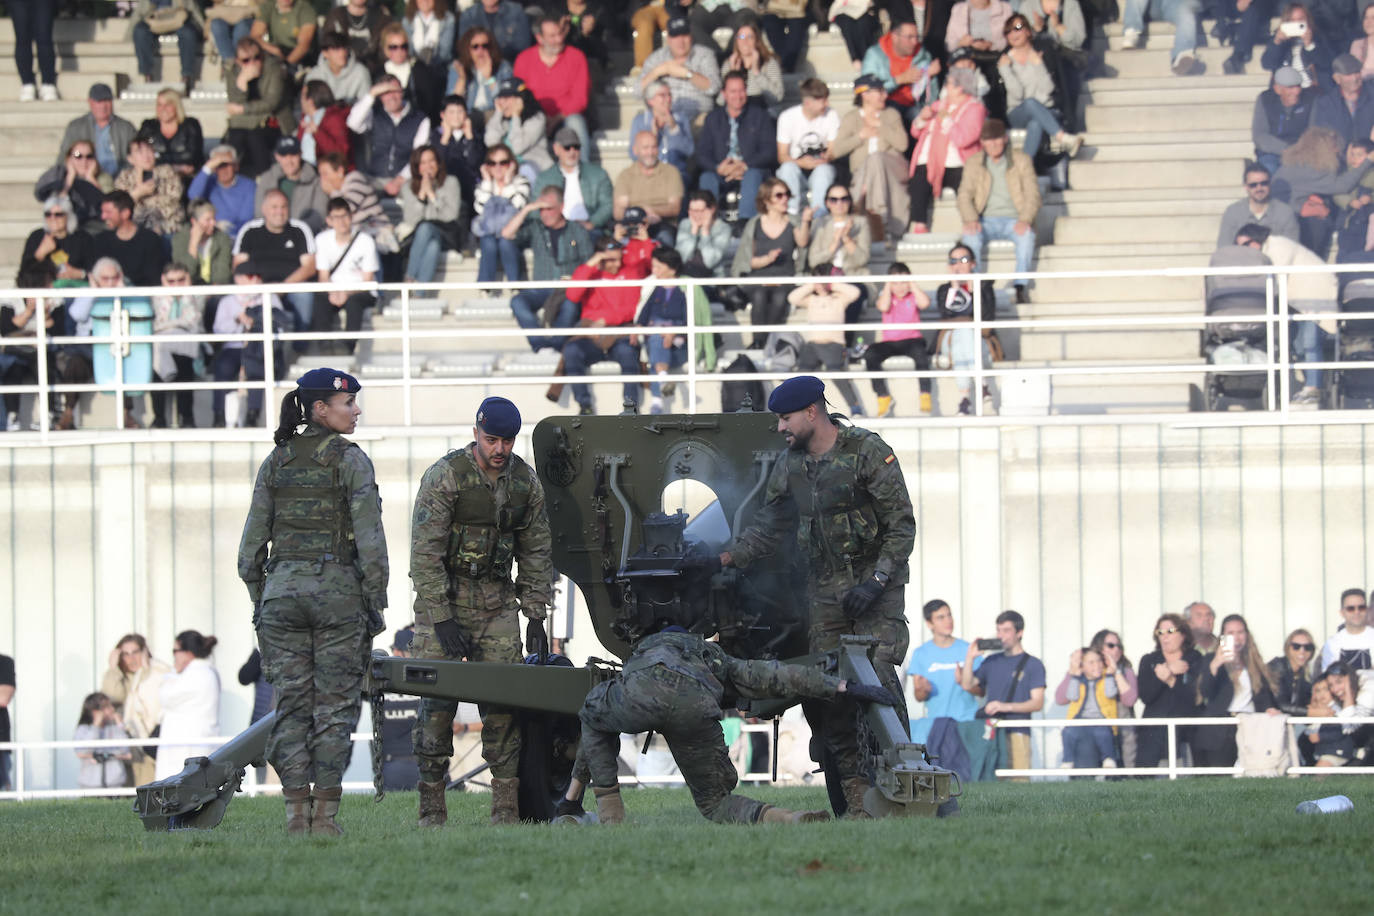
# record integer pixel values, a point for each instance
(311, 516)
(837, 531)
(481, 541)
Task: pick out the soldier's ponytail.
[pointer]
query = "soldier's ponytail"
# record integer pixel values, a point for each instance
(293, 416)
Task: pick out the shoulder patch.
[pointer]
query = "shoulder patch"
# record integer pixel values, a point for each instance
(889, 459)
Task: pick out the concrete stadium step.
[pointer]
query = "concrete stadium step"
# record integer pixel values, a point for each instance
(1124, 147)
(1082, 290)
(1164, 173)
(1044, 307)
(1103, 230)
(1157, 61)
(1208, 90)
(69, 85)
(1165, 116)
(1108, 344)
(106, 31)
(1119, 394)
(1173, 85)
(1122, 209)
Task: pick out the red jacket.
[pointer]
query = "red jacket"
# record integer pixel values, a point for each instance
(562, 89)
(331, 136)
(617, 305)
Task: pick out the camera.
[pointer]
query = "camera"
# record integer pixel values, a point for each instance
(989, 645)
(1293, 29)
(811, 144)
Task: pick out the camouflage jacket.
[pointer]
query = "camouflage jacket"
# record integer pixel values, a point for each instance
(435, 566)
(853, 514)
(365, 573)
(709, 665)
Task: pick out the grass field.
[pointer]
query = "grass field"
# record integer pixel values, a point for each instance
(1199, 846)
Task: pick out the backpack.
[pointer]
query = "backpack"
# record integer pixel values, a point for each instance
(732, 394)
(1265, 744)
(782, 351)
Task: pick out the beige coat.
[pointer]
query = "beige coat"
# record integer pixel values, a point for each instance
(137, 696)
(976, 187)
(891, 137)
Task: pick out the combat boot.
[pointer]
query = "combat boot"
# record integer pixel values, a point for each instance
(775, 815)
(322, 821)
(854, 790)
(433, 806)
(297, 810)
(609, 808)
(505, 800)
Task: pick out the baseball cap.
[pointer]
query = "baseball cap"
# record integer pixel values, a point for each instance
(288, 146)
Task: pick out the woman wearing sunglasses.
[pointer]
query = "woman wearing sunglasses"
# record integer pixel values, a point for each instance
(1168, 679)
(79, 177)
(1293, 672)
(1118, 667)
(478, 72)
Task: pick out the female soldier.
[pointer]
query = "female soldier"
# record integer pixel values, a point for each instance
(319, 595)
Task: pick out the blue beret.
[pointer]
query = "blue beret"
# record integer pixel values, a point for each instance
(797, 393)
(324, 379)
(499, 417)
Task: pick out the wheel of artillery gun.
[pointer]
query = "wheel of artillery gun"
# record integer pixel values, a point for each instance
(548, 746)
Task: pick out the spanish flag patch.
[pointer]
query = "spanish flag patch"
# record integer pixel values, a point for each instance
(890, 458)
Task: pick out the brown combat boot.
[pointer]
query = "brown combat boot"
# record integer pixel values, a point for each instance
(609, 808)
(322, 821)
(297, 810)
(433, 806)
(854, 790)
(505, 800)
(775, 815)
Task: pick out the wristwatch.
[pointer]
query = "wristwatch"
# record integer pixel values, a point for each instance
(881, 578)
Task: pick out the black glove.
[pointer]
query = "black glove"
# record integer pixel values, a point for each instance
(860, 598)
(868, 693)
(536, 640)
(707, 563)
(376, 622)
(451, 638)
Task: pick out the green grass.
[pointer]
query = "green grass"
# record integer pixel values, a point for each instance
(1204, 846)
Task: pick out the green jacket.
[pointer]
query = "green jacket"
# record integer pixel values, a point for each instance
(597, 191)
(221, 257)
(574, 248)
(268, 96)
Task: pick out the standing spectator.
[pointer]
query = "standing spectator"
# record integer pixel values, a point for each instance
(1012, 685)
(786, 23)
(1118, 667)
(172, 361)
(934, 670)
(156, 190)
(957, 348)
(345, 256)
(690, 69)
(1089, 693)
(1292, 673)
(501, 197)
(33, 21)
(176, 139)
(101, 767)
(702, 239)
(234, 314)
(650, 184)
(1258, 207)
(260, 106)
(947, 132)
(323, 127)
(1283, 113)
(504, 20)
(1234, 680)
(79, 178)
(1201, 621)
(826, 303)
(296, 179)
(234, 195)
(202, 248)
(340, 70)
(672, 132)
(999, 198)
(873, 138)
(900, 302)
(190, 702)
(264, 695)
(665, 307)
(163, 14)
(138, 251)
(518, 123)
(283, 251)
(556, 74)
(905, 68)
(108, 134)
(1168, 687)
(768, 247)
(588, 197)
(430, 202)
(396, 130)
(285, 29)
(1030, 91)
(606, 308)
(478, 72)
(1349, 111)
(750, 56)
(58, 243)
(361, 22)
(738, 143)
(1353, 641)
(133, 682)
(559, 248)
(1182, 13)
(1298, 44)
(805, 133)
(6, 695)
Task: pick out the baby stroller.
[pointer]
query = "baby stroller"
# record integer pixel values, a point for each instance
(1354, 343)
(1241, 343)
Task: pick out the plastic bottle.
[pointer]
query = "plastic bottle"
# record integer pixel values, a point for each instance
(1332, 804)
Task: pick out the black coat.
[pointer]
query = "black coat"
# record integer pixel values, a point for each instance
(1216, 692)
(1294, 688)
(186, 146)
(1162, 701)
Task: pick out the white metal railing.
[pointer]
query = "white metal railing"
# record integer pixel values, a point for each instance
(1275, 318)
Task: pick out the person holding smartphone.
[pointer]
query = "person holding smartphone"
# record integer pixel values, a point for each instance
(1298, 45)
(1234, 679)
(1012, 683)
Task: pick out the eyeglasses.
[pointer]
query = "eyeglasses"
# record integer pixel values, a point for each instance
(838, 200)
(83, 155)
(1355, 607)
(781, 195)
(1166, 631)
(399, 47)
(1302, 647)
(479, 46)
(55, 213)
(571, 145)
(498, 162)
(1111, 645)
(961, 259)
(1257, 184)
(249, 60)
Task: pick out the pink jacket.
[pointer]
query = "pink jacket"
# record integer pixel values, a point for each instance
(963, 132)
(958, 24)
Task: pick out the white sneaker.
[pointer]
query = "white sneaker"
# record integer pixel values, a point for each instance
(1130, 39)
(12, 421)
(48, 93)
(28, 92)
(1109, 763)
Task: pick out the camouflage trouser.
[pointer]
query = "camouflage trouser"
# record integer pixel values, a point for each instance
(834, 723)
(492, 637)
(688, 718)
(314, 651)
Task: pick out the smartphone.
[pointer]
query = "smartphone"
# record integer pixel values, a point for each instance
(989, 645)
(1293, 29)
(1228, 644)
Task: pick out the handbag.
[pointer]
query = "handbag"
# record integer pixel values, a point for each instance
(1315, 207)
(232, 11)
(167, 19)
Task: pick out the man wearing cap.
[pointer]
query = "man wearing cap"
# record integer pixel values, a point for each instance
(1257, 206)
(395, 129)
(738, 143)
(1350, 110)
(477, 510)
(108, 133)
(1282, 113)
(690, 70)
(234, 195)
(298, 180)
(607, 307)
(556, 74)
(587, 196)
(400, 773)
(651, 185)
(319, 594)
(856, 533)
(999, 199)
(904, 66)
(872, 136)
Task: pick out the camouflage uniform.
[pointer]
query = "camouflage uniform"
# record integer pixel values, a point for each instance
(674, 684)
(465, 532)
(316, 502)
(855, 519)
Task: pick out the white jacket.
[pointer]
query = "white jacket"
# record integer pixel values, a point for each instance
(190, 709)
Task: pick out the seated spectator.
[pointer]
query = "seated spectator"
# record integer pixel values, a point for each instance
(805, 133)
(1059, 23)
(584, 21)
(285, 29)
(518, 122)
(1030, 91)
(282, 250)
(672, 132)
(345, 256)
(785, 22)
(176, 139)
(826, 303)
(432, 29)
(859, 26)
(423, 84)
(340, 70)
(1353, 641)
(430, 202)
(298, 180)
(1089, 694)
(1312, 171)
(1168, 687)
(749, 55)
(964, 59)
(101, 767)
(67, 365)
(137, 250)
(227, 23)
(1351, 202)
(219, 182)
(234, 315)
(155, 189)
(1363, 48)
(79, 178)
(999, 199)
(588, 197)
(738, 144)
(504, 20)
(478, 72)
(947, 131)
(173, 361)
(557, 76)
(1349, 111)
(163, 14)
(978, 25)
(1282, 113)
(666, 307)
(559, 248)
(259, 95)
(900, 302)
(934, 670)
(1245, 23)
(905, 68)
(1292, 673)
(190, 699)
(841, 241)
(957, 348)
(460, 147)
(361, 22)
(702, 239)
(1352, 697)
(19, 320)
(1258, 207)
(396, 129)
(324, 125)
(58, 243)
(1298, 44)
(649, 20)
(605, 308)
(501, 200)
(873, 138)
(1234, 680)
(651, 185)
(769, 246)
(202, 249)
(1182, 13)
(690, 69)
(108, 134)
(367, 212)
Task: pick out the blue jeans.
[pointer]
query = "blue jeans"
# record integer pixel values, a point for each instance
(33, 27)
(227, 36)
(660, 354)
(748, 189)
(1310, 341)
(959, 347)
(1003, 228)
(146, 49)
(581, 352)
(497, 254)
(1182, 13)
(1038, 122)
(526, 306)
(1087, 747)
(818, 182)
(426, 246)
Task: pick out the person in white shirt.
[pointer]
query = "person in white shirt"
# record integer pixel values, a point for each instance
(805, 132)
(190, 702)
(1353, 643)
(343, 256)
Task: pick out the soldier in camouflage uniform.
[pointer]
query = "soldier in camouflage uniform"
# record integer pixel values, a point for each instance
(856, 530)
(319, 593)
(477, 510)
(674, 683)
